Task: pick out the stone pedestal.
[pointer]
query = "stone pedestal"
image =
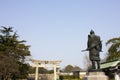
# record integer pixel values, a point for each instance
(96, 76)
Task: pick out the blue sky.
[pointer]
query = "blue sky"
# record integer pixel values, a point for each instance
(58, 29)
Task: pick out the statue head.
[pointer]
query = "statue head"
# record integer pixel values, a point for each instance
(92, 32)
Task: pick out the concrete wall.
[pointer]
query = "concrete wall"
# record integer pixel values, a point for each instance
(82, 74)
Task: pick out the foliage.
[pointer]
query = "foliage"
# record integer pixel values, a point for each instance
(31, 70)
(69, 77)
(68, 68)
(41, 70)
(76, 68)
(114, 49)
(50, 71)
(13, 54)
(8, 66)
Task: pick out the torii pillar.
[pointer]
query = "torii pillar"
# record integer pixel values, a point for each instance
(36, 72)
(55, 76)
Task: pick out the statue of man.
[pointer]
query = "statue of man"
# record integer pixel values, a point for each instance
(94, 46)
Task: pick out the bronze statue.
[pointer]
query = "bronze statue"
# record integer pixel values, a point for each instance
(94, 46)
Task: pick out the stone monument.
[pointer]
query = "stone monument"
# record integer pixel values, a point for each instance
(94, 46)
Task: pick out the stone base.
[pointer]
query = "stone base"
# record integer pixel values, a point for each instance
(96, 76)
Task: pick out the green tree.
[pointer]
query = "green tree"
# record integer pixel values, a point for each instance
(7, 66)
(68, 68)
(42, 70)
(114, 49)
(32, 70)
(13, 53)
(76, 68)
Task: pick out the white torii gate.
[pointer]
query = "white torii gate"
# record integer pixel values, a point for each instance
(42, 63)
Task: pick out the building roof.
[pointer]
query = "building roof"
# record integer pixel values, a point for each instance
(110, 64)
(76, 70)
